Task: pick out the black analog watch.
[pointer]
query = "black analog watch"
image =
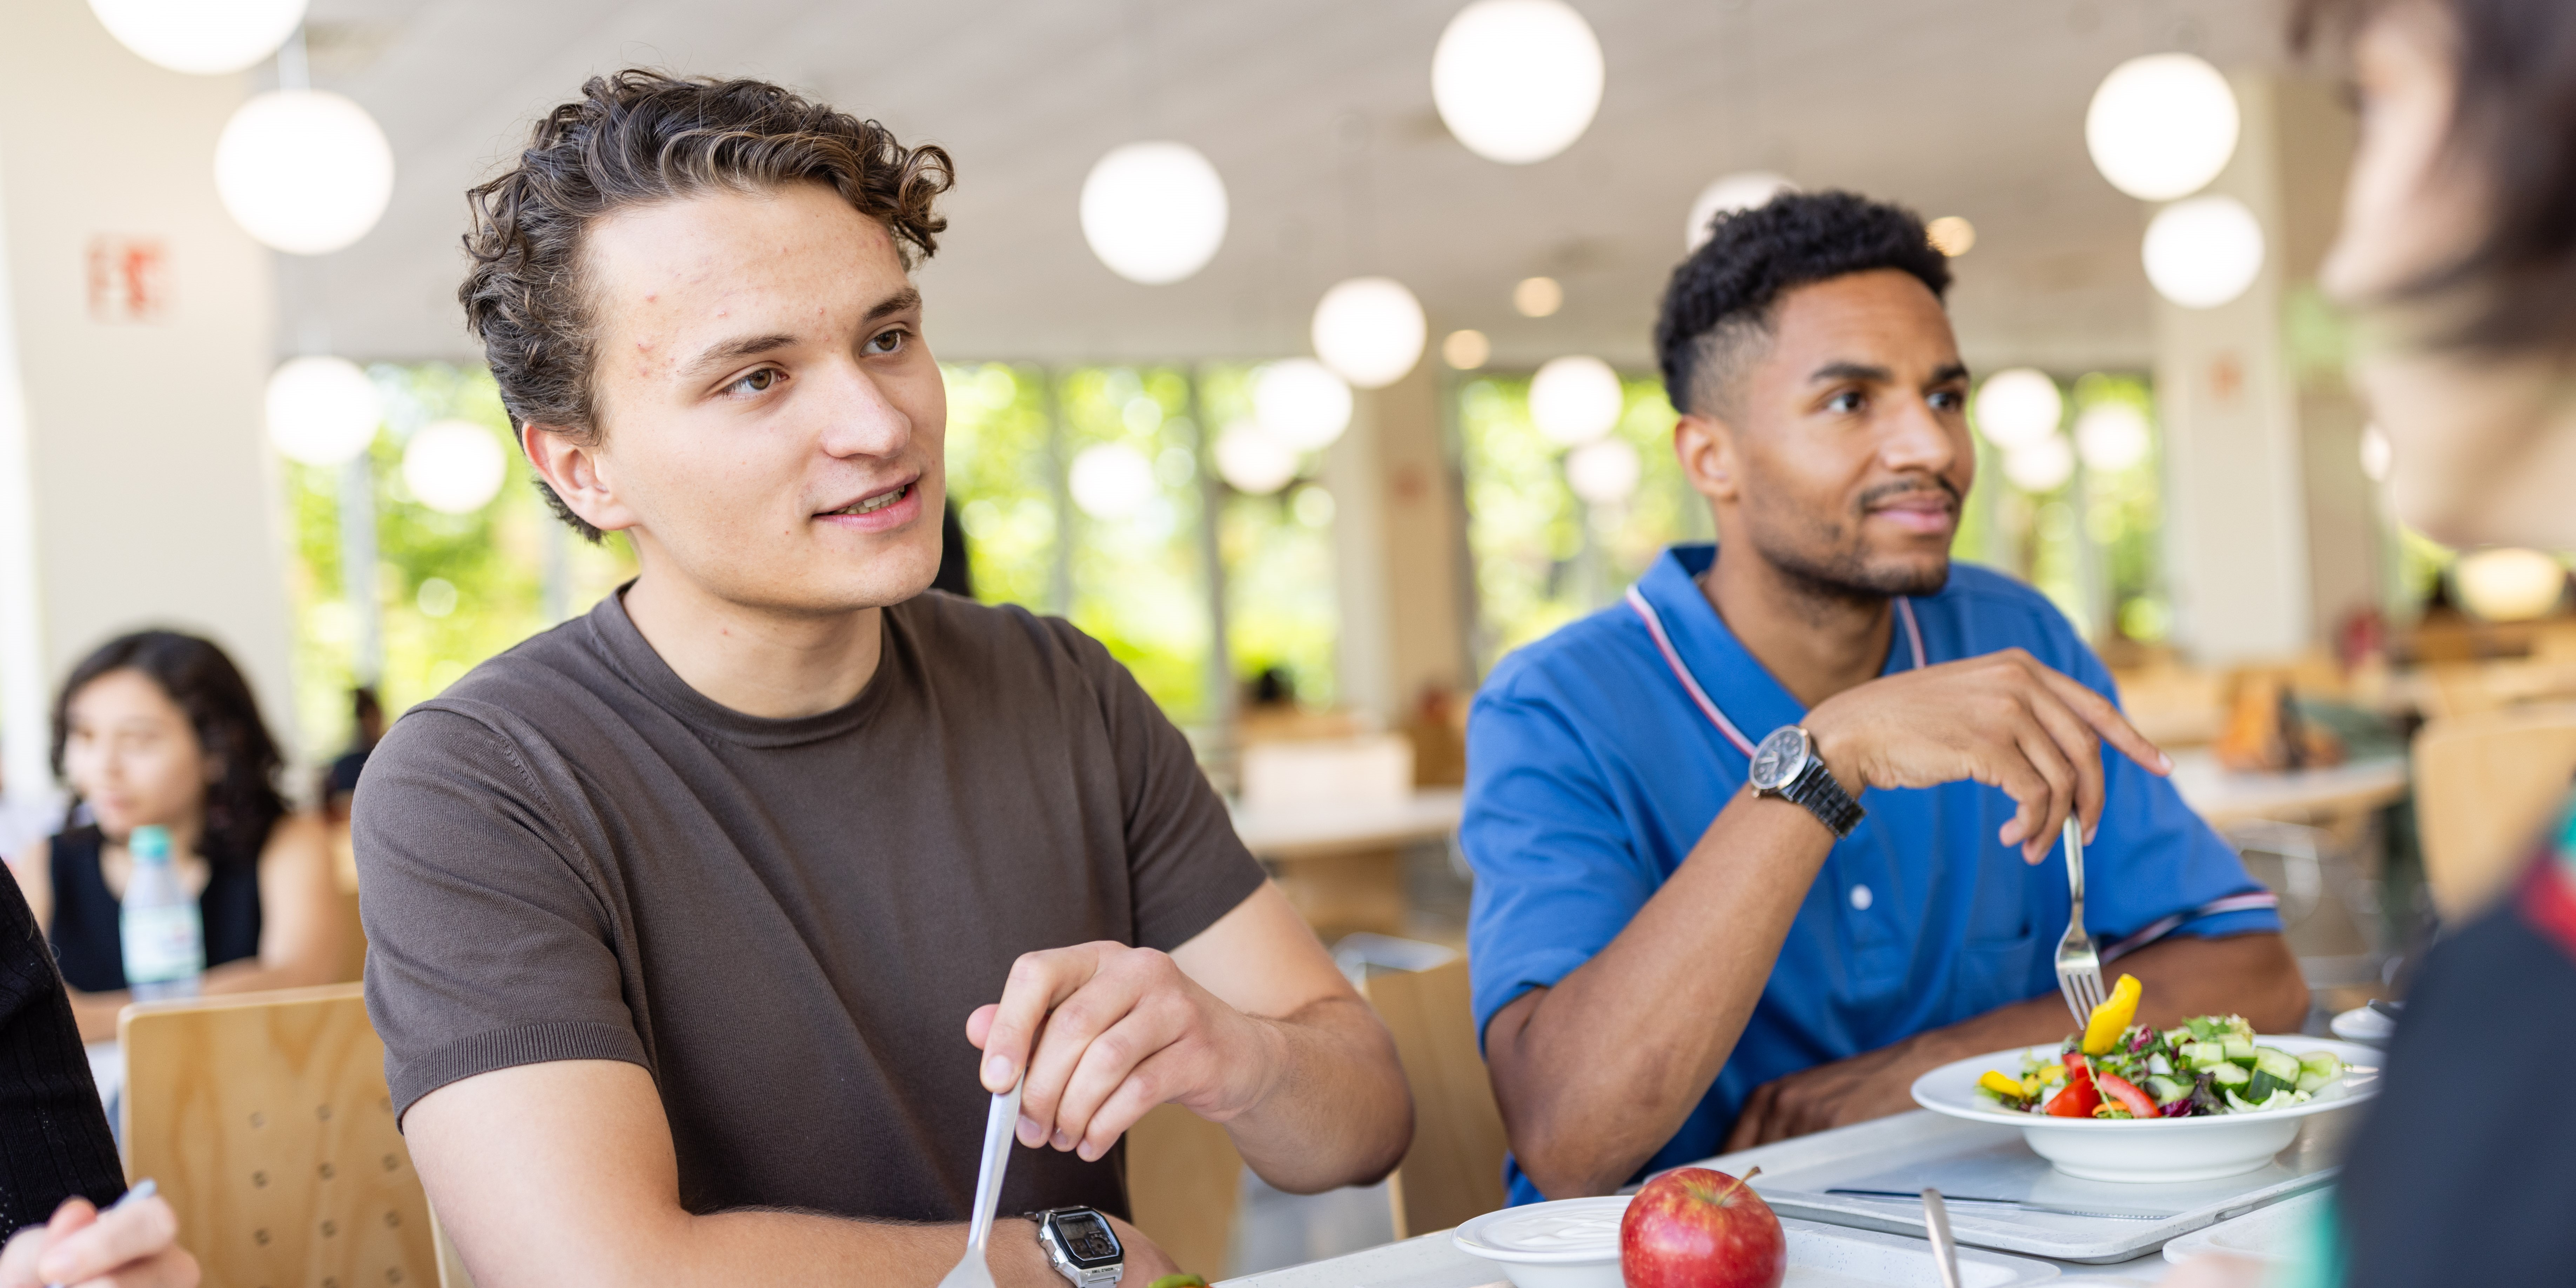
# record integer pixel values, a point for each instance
(1081, 1245)
(1786, 765)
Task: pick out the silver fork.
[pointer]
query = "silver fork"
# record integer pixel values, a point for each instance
(999, 1123)
(2079, 965)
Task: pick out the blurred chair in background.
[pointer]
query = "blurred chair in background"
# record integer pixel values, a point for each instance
(1454, 1169)
(2484, 786)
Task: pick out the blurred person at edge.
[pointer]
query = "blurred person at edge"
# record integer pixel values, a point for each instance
(56, 1155)
(702, 925)
(159, 728)
(2458, 256)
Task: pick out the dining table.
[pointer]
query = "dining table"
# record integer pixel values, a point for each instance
(1435, 1261)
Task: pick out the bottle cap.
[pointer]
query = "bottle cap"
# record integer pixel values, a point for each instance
(149, 844)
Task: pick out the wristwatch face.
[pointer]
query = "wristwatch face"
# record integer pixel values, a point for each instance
(1779, 759)
(1087, 1239)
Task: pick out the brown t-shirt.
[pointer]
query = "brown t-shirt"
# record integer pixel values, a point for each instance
(572, 855)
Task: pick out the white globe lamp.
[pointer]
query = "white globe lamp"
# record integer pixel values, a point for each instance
(2204, 252)
(1370, 331)
(1111, 480)
(1575, 400)
(1154, 213)
(454, 466)
(1604, 471)
(1517, 81)
(2111, 436)
(304, 171)
(2162, 126)
(2504, 584)
(322, 411)
(2041, 466)
(200, 37)
(1735, 192)
(1301, 404)
(2017, 407)
(1251, 461)
(2377, 453)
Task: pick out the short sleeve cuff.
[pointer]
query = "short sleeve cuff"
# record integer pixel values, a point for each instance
(508, 1049)
(1520, 974)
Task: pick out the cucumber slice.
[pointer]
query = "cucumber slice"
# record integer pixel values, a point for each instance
(2265, 1082)
(2166, 1090)
(2313, 1083)
(2230, 1077)
(2240, 1050)
(2278, 1063)
(2322, 1064)
(2204, 1055)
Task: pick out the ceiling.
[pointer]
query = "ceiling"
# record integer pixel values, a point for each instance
(1319, 116)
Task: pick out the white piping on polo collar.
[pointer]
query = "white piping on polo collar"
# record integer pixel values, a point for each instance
(1699, 696)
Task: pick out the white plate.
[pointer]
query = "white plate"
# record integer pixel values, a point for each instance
(1574, 1243)
(2151, 1151)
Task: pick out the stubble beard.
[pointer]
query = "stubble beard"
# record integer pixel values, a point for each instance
(1824, 562)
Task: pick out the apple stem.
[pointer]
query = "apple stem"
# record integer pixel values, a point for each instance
(1740, 1183)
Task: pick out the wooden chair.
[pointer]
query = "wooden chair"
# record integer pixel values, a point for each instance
(1454, 1169)
(264, 1118)
(2484, 786)
(1184, 1180)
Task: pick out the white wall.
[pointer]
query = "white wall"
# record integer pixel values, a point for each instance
(136, 489)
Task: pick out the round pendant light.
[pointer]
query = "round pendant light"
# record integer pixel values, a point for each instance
(1154, 212)
(1517, 81)
(454, 466)
(200, 37)
(2162, 126)
(304, 171)
(2042, 466)
(2017, 406)
(1251, 461)
(1603, 472)
(1734, 192)
(2204, 252)
(1575, 400)
(1301, 404)
(1370, 330)
(322, 411)
(2111, 436)
(1466, 350)
(2377, 453)
(1111, 480)
(2504, 584)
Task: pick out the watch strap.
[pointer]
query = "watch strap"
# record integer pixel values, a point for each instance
(1822, 794)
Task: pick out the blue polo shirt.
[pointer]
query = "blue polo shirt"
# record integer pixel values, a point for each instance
(1591, 772)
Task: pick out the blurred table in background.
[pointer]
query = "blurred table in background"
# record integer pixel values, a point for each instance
(1341, 861)
(2228, 797)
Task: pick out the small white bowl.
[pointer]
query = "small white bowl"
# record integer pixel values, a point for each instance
(2152, 1151)
(1570, 1243)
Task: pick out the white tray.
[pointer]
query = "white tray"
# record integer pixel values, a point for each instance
(1820, 1256)
(1975, 1160)
(2271, 1234)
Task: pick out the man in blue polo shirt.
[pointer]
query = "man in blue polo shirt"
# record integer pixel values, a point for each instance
(1676, 952)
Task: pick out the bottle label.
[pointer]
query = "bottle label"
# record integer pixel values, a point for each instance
(163, 944)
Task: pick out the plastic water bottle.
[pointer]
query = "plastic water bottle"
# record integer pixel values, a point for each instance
(165, 936)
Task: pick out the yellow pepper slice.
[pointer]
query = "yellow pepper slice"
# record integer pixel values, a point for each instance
(2112, 1016)
(2003, 1085)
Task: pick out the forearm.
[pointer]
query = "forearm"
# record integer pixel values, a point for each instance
(253, 975)
(1596, 1073)
(96, 1013)
(2251, 975)
(748, 1248)
(1337, 1111)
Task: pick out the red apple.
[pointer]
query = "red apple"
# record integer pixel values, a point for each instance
(1697, 1228)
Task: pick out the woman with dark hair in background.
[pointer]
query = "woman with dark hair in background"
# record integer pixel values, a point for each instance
(2458, 256)
(159, 728)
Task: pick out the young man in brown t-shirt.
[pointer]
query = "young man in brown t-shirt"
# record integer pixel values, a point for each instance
(701, 926)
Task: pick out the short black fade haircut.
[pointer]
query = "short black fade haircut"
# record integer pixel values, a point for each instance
(1721, 296)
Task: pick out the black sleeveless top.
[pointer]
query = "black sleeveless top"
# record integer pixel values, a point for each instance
(86, 939)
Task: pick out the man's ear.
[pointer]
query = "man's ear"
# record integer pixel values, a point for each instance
(573, 467)
(1710, 461)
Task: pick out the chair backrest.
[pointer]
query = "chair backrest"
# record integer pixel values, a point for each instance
(265, 1120)
(1454, 1169)
(1183, 1181)
(2484, 786)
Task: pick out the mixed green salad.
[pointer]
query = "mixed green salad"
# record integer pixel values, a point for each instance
(2115, 1069)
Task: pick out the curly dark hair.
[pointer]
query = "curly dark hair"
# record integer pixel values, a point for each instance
(634, 138)
(243, 804)
(1719, 300)
(2514, 128)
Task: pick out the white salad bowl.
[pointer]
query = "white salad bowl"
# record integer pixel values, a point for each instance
(2152, 1150)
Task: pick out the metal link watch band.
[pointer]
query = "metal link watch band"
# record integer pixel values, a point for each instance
(1816, 788)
